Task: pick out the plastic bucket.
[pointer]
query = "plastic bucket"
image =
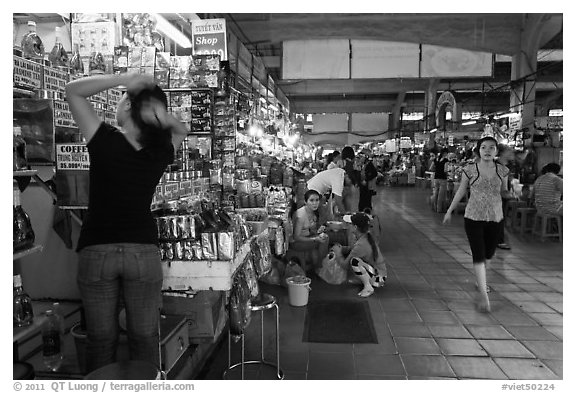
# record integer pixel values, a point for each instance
(298, 289)
(80, 340)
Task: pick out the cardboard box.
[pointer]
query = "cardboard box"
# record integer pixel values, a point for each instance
(203, 312)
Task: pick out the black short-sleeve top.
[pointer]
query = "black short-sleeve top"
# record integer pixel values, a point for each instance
(122, 183)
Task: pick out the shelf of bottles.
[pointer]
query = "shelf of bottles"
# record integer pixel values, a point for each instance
(25, 173)
(28, 251)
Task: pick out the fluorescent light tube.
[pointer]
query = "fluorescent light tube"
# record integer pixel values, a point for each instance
(171, 31)
(469, 123)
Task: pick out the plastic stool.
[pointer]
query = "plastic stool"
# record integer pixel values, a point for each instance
(521, 218)
(545, 221)
(510, 213)
(262, 303)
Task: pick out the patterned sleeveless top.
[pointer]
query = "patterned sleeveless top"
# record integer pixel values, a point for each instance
(485, 203)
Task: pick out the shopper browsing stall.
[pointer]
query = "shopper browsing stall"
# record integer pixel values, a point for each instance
(118, 244)
(330, 179)
(333, 159)
(440, 181)
(366, 188)
(487, 180)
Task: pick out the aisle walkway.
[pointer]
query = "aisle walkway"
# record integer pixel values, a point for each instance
(426, 321)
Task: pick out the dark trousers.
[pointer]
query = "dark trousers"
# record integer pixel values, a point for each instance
(483, 238)
(365, 200)
(105, 273)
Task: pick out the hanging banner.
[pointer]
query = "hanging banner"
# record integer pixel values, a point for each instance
(209, 37)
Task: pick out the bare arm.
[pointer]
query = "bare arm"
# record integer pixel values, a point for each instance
(339, 203)
(457, 198)
(77, 93)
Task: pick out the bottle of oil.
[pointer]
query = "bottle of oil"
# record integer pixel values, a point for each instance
(58, 56)
(76, 64)
(20, 161)
(22, 304)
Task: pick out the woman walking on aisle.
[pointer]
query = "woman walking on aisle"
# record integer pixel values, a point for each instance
(118, 244)
(488, 184)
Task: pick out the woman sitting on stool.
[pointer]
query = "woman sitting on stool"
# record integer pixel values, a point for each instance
(308, 234)
(365, 257)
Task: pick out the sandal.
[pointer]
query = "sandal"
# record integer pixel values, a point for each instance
(488, 289)
(366, 293)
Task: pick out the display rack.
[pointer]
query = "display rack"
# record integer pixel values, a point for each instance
(24, 173)
(23, 253)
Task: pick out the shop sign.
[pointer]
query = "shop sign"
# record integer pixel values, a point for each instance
(555, 122)
(515, 122)
(62, 115)
(27, 73)
(55, 80)
(405, 143)
(72, 156)
(451, 140)
(209, 37)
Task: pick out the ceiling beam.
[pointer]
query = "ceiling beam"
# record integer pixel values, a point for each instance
(316, 87)
(496, 33)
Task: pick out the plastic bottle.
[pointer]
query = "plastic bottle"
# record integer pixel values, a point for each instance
(76, 64)
(19, 150)
(52, 341)
(32, 46)
(22, 304)
(23, 234)
(58, 56)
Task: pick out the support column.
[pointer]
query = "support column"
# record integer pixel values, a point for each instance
(430, 104)
(536, 30)
(396, 112)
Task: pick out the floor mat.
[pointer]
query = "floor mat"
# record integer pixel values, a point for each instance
(339, 321)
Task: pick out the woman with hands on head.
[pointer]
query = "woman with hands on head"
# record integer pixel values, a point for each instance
(118, 244)
(488, 181)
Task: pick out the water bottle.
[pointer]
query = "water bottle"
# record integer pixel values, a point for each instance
(52, 341)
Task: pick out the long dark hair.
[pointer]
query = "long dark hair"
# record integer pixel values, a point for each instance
(152, 137)
(365, 229)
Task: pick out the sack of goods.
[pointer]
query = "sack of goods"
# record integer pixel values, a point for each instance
(334, 269)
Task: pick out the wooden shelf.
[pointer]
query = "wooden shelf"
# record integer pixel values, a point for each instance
(28, 251)
(28, 172)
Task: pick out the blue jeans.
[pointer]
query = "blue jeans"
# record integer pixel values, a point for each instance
(108, 273)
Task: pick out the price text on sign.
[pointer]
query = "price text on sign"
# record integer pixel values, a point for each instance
(73, 156)
(27, 73)
(209, 37)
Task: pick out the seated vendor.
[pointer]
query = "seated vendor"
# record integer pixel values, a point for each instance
(548, 190)
(308, 233)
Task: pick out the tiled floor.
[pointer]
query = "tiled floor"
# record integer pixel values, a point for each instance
(425, 318)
